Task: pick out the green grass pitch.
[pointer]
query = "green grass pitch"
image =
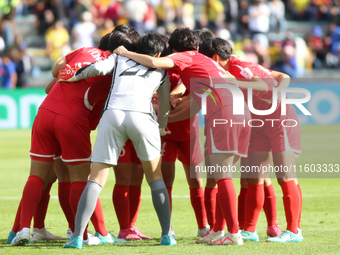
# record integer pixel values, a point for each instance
(320, 215)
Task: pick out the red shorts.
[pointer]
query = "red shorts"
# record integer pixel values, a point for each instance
(227, 133)
(52, 133)
(171, 150)
(283, 134)
(128, 154)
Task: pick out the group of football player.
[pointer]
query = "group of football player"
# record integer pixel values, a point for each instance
(144, 93)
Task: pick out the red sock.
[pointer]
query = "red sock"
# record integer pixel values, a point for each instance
(64, 189)
(269, 205)
(120, 198)
(40, 212)
(241, 207)
(170, 197)
(30, 200)
(135, 196)
(299, 188)
(291, 202)
(210, 205)
(97, 219)
(228, 202)
(254, 205)
(77, 189)
(197, 202)
(16, 224)
(220, 221)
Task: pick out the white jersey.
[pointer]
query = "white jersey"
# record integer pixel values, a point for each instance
(132, 86)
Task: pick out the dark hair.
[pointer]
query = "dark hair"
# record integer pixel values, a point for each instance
(104, 42)
(204, 34)
(117, 39)
(167, 51)
(150, 44)
(130, 31)
(217, 46)
(183, 39)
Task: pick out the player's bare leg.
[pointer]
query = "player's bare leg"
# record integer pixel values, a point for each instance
(61, 171)
(79, 173)
(226, 197)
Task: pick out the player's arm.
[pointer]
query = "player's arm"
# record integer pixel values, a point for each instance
(282, 79)
(255, 82)
(181, 103)
(190, 109)
(104, 67)
(145, 60)
(178, 91)
(50, 85)
(58, 66)
(163, 95)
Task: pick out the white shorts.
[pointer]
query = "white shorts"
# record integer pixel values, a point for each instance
(116, 127)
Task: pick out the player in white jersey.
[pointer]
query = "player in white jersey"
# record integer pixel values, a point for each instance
(128, 114)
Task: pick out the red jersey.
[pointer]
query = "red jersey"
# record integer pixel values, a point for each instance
(245, 70)
(180, 131)
(207, 73)
(67, 98)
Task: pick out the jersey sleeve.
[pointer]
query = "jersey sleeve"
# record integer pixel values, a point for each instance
(104, 67)
(181, 59)
(163, 95)
(240, 69)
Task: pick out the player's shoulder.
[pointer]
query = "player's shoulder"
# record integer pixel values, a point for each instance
(189, 53)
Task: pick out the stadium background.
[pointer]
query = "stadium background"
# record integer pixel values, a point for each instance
(304, 43)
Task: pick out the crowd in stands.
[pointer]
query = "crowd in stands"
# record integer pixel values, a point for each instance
(256, 28)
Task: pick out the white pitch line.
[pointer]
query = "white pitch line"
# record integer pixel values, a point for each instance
(173, 196)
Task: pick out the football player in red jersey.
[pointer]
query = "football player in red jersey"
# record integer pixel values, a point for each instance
(66, 108)
(282, 142)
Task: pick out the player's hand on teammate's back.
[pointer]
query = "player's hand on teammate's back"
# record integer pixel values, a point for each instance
(120, 50)
(231, 79)
(164, 131)
(173, 101)
(67, 74)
